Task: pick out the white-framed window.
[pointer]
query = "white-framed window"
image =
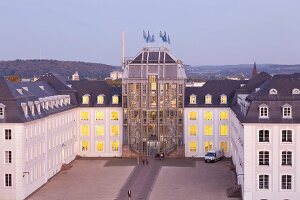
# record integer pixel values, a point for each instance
(286, 182)
(273, 91)
(2, 111)
(7, 134)
(263, 157)
(223, 99)
(286, 111)
(8, 180)
(286, 158)
(263, 136)
(263, 182)
(86, 99)
(295, 91)
(193, 99)
(100, 99)
(115, 99)
(208, 99)
(8, 157)
(263, 111)
(286, 136)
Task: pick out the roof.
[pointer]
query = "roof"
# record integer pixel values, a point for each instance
(153, 55)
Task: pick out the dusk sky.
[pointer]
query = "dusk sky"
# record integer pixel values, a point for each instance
(209, 32)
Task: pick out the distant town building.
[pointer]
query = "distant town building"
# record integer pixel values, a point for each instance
(114, 75)
(195, 84)
(254, 71)
(75, 76)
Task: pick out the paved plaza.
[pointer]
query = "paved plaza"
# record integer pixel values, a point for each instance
(110, 179)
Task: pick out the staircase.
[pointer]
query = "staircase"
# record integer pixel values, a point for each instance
(177, 153)
(235, 191)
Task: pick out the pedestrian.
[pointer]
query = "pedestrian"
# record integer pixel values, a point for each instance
(147, 162)
(143, 161)
(129, 194)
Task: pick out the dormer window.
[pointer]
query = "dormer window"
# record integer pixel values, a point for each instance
(296, 91)
(25, 109)
(38, 106)
(100, 99)
(86, 99)
(115, 99)
(286, 111)
(208, 99)
(223, 99)
(263, 111)
(273, 91)
(193, 99)
(2, 111)
(31, 107)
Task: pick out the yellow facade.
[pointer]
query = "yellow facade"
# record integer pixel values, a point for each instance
(208, 130)
(114, 115)
(193, 115)
(224, 146)
(224, 130)
(100, 130)
(115, 145)
(84, 145)
(223, 115)
(208, 145)
(85, 130)
(208, 115)
(84, 115)
(100, 145)
(115, 130)
(193, 146)
(193, 130)
(99, 115)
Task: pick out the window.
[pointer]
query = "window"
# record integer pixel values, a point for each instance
(193, 146)
(223, 99)
(223, 130)
(263, 136)
(193, 130)
(286, 158)
(208, 115)
(224, 146)
(100, 130)
(115, 130)
(263, 158)
(208, 99)
(263, 182)
(286, 136)
(115, 145)
(2, 111)
(100, 99)
(86, 99)
(115, 99)
(287, 111)
(84, 145)
(8, 157)
(208, 130)
(99, 115)
(85, 130)
(263, 111)
(84, 115)
(7, 134)
(8, 180)
(223, 115)
(208, 145)
(286, 182)
(296, 91)
(100, 145)
(114, 115)
(273, 91)
(193, 99)
(193, 115)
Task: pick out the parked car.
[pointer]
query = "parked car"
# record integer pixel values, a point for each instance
(213, 156)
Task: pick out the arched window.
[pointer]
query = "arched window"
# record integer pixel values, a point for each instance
(296, 91)
(208, 99)
(273, 91)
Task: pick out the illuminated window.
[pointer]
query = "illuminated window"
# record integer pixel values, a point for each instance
(99, 115)
(173, 103)
(84, 130)
(223, 130)
(193, 146)
(223, 99)
(208, 130)
(193, 115)
(114, 115)
(208, 99)
(100, 99)
(153, 86)
(223, 115)
(86, 99)
(100, 130)
(208, 115)
(193, 130)
(84, 145)
(84, 115)
(100, 145)
(193, 99)
(115, 99)
(208, 145)
(115, 130)
(224, 146)
(115, 145)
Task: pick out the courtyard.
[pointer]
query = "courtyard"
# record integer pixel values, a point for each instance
(111, 178)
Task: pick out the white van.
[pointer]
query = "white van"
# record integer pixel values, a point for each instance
(213, 156)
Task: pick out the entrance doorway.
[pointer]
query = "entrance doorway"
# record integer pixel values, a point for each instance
(153, 148)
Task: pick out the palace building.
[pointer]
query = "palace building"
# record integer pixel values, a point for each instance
(47, 123)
